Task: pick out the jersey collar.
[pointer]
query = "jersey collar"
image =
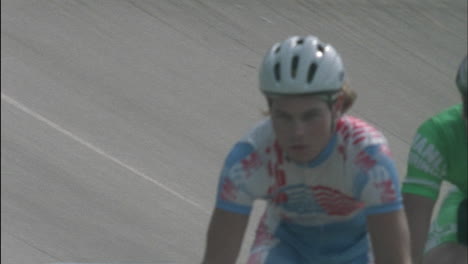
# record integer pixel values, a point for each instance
(323, 156)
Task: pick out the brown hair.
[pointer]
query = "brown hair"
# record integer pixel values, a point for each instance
(349, 96)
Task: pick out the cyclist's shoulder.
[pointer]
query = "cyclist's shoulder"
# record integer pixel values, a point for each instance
(261, 132)
(444, 128)
(444, 119)
(258, 137)
(357, 133)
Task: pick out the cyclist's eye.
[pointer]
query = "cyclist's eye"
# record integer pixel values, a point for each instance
(282, 116)
(311, 116)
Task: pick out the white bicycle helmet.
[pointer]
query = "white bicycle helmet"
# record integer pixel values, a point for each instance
(460, 80)
(301, 65)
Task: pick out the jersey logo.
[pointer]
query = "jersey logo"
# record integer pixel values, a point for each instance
(302, 199)
(356, 130)
(250, 163)
(335, 202)
(384, 183)
(263, 232)
(229, 190)
(365, 161)
(424, 156)
(387, 194)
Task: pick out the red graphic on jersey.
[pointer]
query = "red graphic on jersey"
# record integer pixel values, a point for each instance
(257, 257)
(340, 126)
(263, 234)
(280, 180)
(343, 129)
(365, 161)
(357, 130)
(252, 161)
(388, 193)
(228, 191)
(358, 140)
(279, 153)
(285, 217)
(386, 150)
(280, 198)
(335, 202)
(276, 171)
(360, 131)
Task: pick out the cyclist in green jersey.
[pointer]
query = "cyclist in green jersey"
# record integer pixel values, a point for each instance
(438, 154)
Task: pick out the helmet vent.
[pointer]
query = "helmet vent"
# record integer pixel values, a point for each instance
(277, 70)
(300, 41)
(311, 73)
(277, 50)
(321, 48)
(295, 62)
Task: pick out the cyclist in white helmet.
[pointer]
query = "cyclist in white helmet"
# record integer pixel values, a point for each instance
(439, 154)
(328, 178)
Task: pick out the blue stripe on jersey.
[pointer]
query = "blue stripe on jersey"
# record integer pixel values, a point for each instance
(381, 209)
(339, 242)
(232, 207)
(359, 183)
(237, 153)
(383, 160)
(325, 154)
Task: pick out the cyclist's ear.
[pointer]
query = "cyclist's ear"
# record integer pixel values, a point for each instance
(338, 106)
(349, 96)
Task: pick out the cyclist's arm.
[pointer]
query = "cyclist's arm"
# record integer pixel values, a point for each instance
(233, 205)
(386, 219)
(418, 210)
(224, 238)
(422, 184)
(390, 237)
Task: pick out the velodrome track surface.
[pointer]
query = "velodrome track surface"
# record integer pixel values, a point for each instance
(117, 115)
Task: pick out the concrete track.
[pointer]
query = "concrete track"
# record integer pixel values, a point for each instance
(117, 115)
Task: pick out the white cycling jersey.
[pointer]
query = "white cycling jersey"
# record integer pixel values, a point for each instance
(316, 211)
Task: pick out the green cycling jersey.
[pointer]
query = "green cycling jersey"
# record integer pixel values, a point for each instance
(438, 153)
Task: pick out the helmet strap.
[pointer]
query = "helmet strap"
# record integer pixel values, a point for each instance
(331, 99)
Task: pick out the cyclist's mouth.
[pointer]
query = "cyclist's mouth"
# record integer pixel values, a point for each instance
(298, 147)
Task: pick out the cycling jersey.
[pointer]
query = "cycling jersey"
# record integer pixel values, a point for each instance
(316, 211)
(445, 227)
(438, 153)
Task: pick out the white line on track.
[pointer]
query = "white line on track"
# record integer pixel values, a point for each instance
(266, 19)
(39, 117)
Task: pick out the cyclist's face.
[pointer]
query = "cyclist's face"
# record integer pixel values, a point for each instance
(302, 124)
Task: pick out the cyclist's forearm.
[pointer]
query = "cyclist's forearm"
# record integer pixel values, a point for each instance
(220, 252)
(418, 233)
(418, 242)
(221, 249)
(418, 211)
(224, 238)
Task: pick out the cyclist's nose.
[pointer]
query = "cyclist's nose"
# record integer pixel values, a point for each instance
(298, 128)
